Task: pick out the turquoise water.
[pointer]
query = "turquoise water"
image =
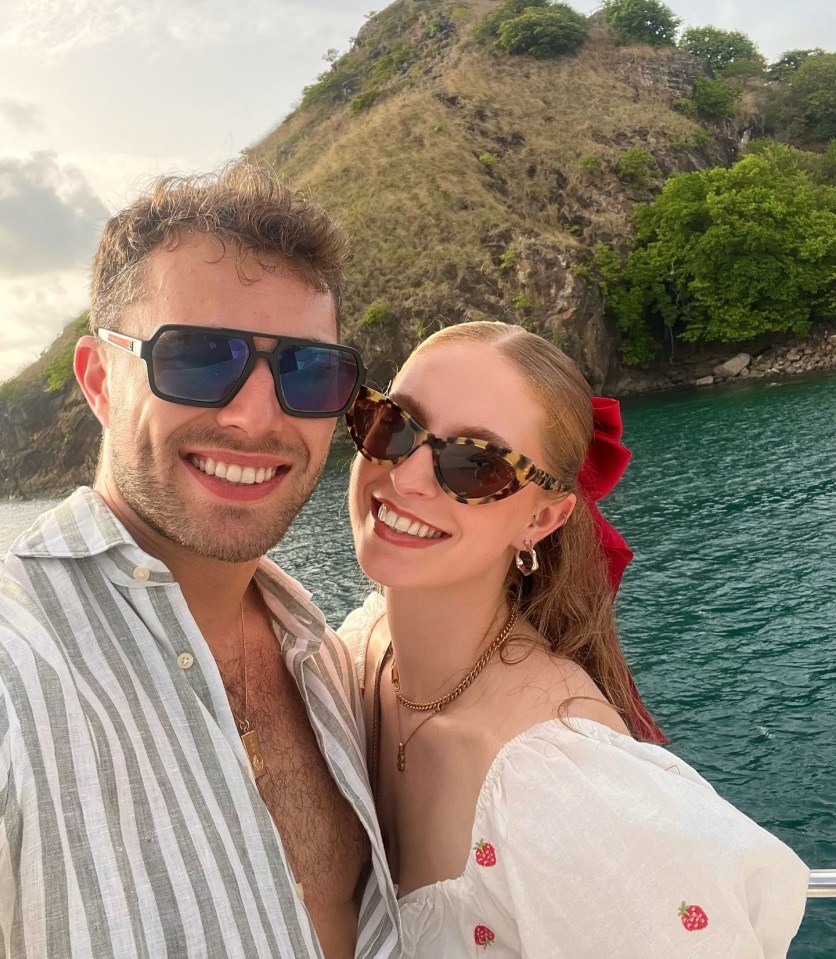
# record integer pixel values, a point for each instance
(728, 612)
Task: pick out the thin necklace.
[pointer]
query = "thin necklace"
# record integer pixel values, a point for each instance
(436, 706)
(249, 735)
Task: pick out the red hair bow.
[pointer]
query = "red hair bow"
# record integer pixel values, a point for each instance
(605, 463)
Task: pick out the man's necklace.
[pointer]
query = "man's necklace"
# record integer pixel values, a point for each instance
(435, 706)
(249, 735)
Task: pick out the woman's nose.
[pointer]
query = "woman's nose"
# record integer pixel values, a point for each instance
(416, 475)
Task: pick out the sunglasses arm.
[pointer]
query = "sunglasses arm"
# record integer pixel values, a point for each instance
(127, 343)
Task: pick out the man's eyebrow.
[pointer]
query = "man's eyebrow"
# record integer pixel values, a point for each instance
(416, 409)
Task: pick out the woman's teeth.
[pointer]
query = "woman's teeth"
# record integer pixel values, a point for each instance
(232, 472)
(403, 525)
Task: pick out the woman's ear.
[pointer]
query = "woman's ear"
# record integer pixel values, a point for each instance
(92, 375)
(549, 517)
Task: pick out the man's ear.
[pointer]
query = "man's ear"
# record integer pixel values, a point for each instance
(92, 375)
(548, 518)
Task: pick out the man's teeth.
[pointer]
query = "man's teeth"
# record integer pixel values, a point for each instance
(232, 472)
(404, 525)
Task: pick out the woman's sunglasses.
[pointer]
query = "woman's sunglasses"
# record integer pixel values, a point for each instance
(206, 366)
(469, 470)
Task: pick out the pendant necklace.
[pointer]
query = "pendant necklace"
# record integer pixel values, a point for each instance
(435, 706)
(249, 735)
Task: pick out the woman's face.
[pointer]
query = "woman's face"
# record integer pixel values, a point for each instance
(455, 389)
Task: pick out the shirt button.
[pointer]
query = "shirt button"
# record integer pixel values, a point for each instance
(185, 660)
(142, 573)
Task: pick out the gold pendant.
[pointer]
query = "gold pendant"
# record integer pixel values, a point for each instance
(253, 748)
(401, 757)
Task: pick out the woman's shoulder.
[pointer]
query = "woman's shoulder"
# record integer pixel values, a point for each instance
(357, 628)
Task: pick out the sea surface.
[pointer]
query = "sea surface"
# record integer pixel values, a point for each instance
(728, 611)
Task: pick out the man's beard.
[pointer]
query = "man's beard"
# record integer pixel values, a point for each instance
(144, 478)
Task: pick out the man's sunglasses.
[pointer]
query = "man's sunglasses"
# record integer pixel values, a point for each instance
(207, 366)
(469, 470)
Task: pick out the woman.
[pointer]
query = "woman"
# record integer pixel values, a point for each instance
(521, 809)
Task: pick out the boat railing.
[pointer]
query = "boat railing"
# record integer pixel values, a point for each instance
(822, 884)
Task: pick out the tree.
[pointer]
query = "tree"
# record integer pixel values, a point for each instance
(722, 49)
(786, 65)
(544, 33)
(641, 21)
(727, 254)
(488, 30)
(805, 107)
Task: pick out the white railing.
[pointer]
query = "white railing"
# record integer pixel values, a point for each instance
(822, 884)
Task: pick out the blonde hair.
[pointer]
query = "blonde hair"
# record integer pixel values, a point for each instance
(568, 600)
(242, 205)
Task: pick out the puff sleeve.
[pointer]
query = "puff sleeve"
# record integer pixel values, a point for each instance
(606, 847)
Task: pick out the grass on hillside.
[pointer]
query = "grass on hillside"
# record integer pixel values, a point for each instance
(53, 369)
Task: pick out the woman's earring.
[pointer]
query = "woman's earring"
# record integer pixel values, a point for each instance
(529, 565)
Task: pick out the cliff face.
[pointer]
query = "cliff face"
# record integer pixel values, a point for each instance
(471, 185)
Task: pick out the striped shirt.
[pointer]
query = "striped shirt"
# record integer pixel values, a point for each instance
(130, 823)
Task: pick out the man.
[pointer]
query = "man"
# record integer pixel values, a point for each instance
(180, 761)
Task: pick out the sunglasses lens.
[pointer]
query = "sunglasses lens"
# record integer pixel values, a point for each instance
(380, 429)
(317, 379)
(198, 365)
(473, 472)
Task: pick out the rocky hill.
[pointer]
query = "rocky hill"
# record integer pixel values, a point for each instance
(472, 185)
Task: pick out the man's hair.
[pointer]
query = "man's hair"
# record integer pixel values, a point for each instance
(243, 206)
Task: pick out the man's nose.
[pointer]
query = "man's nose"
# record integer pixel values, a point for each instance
(255, 407)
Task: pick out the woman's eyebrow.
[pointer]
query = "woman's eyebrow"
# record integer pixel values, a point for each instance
(419, 412)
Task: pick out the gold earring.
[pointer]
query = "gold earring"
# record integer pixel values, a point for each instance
(529, 565)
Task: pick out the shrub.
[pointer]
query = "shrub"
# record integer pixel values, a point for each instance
(545, 33)
(523, 302)
(721, 48)
(488, 30)
(488, 160)
(685, 106)
(376, 314)
(361, 102)
(638, 167)
(641, 21)
(785, 66)
(714, 99)
(591, 166)
(60, 371)
(806, 106)
(508, 260)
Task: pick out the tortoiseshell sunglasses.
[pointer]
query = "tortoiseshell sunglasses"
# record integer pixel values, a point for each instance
(469, 470)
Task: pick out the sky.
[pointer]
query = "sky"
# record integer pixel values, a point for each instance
(99, 96)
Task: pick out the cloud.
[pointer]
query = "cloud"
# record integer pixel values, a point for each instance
(58, 27)
(34, 312)
(50, 217)
(22, 115)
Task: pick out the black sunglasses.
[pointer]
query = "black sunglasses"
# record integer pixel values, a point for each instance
(207, 366)
(469, 470)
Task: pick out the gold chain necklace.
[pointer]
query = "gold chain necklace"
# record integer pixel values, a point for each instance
(249, 736)
(436, 706)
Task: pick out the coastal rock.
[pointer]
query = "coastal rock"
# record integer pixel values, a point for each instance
(732, 367)
(704, 381)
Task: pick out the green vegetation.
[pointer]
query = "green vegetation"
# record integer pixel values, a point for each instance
(725, 255)
(638, 167)
(642, 21)
(804, 107)
(523, 302)
(488, 160)
(591, 166)
(785, 66)
(508, 260)
(361, 102)
(714, 99)
(726, 51)
(376, 315)
(52, 371)
(535, 28)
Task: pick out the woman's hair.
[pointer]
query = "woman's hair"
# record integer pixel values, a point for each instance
(569, 599)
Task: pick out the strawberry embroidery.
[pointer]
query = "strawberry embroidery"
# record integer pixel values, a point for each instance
(484, 937)
(485, 853)
(693, 917)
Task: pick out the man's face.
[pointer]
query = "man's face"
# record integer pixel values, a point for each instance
(162, 459)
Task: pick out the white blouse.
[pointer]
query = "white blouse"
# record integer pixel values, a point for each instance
(587, 844)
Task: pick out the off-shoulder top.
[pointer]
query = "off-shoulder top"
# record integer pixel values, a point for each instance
(587, 844)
